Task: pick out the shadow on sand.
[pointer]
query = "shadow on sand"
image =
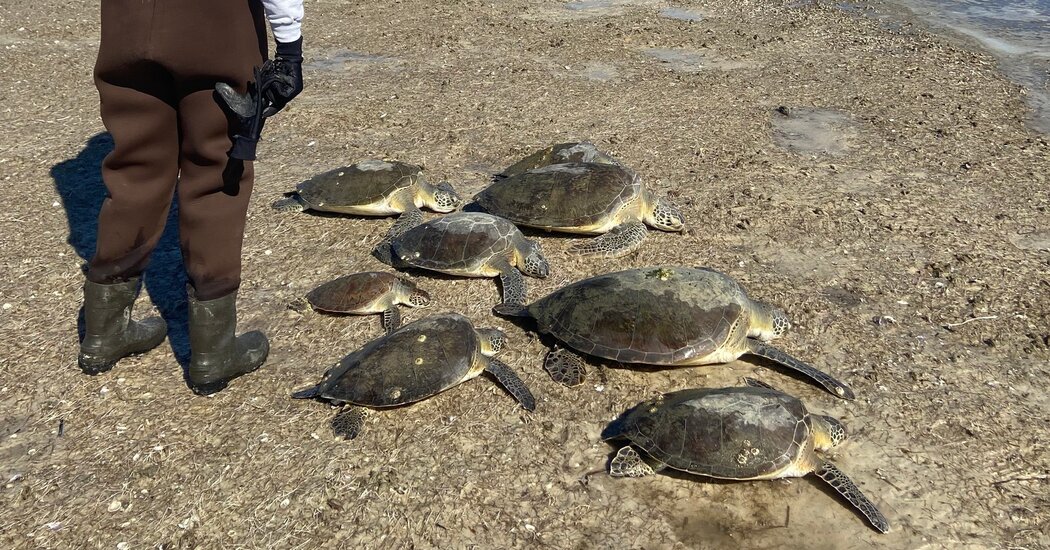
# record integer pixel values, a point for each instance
(79, 184)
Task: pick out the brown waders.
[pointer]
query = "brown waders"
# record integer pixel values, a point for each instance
(157, 66)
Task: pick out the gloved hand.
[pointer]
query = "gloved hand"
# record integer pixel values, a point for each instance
(287, 76)
(246, 113)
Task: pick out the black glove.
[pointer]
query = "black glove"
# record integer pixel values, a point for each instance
(246, 113)
(287, 76)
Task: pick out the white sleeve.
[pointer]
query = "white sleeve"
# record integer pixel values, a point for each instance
(285, 17)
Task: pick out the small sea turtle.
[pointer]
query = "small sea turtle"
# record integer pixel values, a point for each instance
(416, 361)
(469, 244)
(676, 316)
(373, 188)
(369, 292)
(583, 198)
(584, 151)
(739, 433)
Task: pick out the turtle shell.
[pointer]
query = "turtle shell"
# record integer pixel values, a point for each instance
(366, 183)
(557, 154)
(459, 243)
(352, 293)
(654, 315)
(414, 362)
(562, 196)
(729, 433)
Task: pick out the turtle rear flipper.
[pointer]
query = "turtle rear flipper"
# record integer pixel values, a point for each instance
(628, 463)
(512, 383)
(291, 203)
(829, 382)
(756, 383)
(845, 487)
(384, 252)
(565, 367)
(511, 310)
(620, 241)
(349, 421)
(307, 393)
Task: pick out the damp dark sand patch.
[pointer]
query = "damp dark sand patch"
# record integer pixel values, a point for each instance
(814, 131)
(692, 61)
(589, 8)
(1038, 241)
(601, 72)
(341, 60)
(683, 14)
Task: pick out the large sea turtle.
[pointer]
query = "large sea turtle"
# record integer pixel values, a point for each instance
(416, 361)
(583, 151)
(367, 293)
(373, 188)
(470, 244)
(583, 198)
(678, 316)
(733, 433)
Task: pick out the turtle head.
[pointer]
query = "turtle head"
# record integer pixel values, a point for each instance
(492, 340)
(768, 322)
(442, 198)
(411, 295)
(828, 432)
(532, 261)
(666, 216)
(418, 298)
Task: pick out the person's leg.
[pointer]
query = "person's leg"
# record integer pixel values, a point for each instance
(217, 42)
(135, 99)
(213, 200)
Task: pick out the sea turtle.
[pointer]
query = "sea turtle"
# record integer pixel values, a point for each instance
(369, 292)
(470, 244)
(584, 198)
(416, 361)
(733, 433)
(373, 188)
(583, 151)
(678, 316)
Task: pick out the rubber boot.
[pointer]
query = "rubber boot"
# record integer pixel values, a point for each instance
(109, 332)
(216, 356)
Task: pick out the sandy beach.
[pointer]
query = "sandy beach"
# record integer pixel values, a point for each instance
(876, 180)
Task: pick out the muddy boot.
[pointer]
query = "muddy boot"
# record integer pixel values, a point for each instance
(216, 356)
(109, 332)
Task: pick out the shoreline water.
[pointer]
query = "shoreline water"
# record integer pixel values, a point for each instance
(1015, 32)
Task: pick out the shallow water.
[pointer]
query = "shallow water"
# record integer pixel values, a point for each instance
(1017, 32)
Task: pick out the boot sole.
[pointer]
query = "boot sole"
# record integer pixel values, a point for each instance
(95, 368)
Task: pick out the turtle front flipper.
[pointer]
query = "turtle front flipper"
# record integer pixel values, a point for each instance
(565, 367)
(845, 487)
(512, 383)
(411, 217)
(619, 241)
(829, 382)
(628, 463)
(349, 422)
(513, 283)
(391, 319)
(292, 203)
